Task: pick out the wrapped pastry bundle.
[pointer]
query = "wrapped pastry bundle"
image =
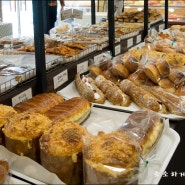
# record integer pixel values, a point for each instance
(174, 103)
(23, 131)
(111, 158)
(145, 127)
(142, 97)
(75, 109)
(87, 88)
(61, 151)
(112, 92)
(39, 103)
(6, 112)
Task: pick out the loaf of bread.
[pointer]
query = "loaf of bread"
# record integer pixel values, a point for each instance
(174, 103)
(163, 67)
(4, 169)
(143, 98)
(112, 92)
(6, 112)
(61, 151)
(167, 84)
(74, 109)
(119, 70)
(39, 103)
(145, 127)
(111, 158)
(23, 131)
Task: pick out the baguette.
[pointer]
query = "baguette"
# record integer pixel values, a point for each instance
(88, 90)
(112, 92)
(142, 97)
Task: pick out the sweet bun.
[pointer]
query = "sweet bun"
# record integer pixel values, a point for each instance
(166, 84)
(163, 68)
(119, 70)
(152, 72)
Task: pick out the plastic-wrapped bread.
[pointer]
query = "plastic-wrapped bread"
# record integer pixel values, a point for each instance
(22, 133)
(61, 151)
(112, 92)
(145, 127)
(142, 97)
(111, 158)
(87, 88)
(6, 112)
(4, 169)
(39, 103)
(174, 103)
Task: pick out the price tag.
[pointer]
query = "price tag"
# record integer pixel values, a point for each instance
(118, 49)
(77, 14)
(161, 27)
(98, 58)
(129, 42)
(66, 14)
(138, 39)
(60, 79)
(25, 95)
(82, 67)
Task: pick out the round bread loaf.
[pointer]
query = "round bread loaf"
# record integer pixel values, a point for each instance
(110, 158)
(6, 112)
(23, 131)
(61, 151)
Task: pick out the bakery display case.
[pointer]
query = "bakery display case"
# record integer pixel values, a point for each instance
(175, 9)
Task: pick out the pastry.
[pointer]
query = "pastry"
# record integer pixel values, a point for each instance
(142, 97)
(6, 112)
(61, 151)
(75, 109)
(112, 92)
(152, 72)
(39, 103)
(111, 158)
(119, 70)
(87, 88)
(174, 103)
(145, 127)
(22, 132)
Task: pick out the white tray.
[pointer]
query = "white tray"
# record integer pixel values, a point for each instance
(71, 91)
(159, 157)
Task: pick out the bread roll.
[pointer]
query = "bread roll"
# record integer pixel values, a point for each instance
(152, 72)
(74, 109)
(142, 97)
(131, 63)
(22, 133)
(6, 112)
(176, 77)
(163, 68)
(111, 158)
(61, 151)
(112, 92)
(174, 104)
(145, 127)
(39, 103)
(94, 71)
(119, 70)
(166, 84)
(4, 169)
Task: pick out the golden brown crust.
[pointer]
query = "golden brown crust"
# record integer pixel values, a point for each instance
(131, 63)
(165, 83)
(4, 169)
(88, 89)
(39, 103)
(176, 77)
(73, 109)
(142, 97)
(163, 68)
(152, 72)
(112, 92)
(119, 70)
(94, 71)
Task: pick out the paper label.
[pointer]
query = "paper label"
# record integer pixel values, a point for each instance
(118, 49)
(82, 67)
(66, 14)
(138, 39)
(161, 27)
(60, 79)
(129, 42)
(78, 14)
(98, 58)
(25, 95)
